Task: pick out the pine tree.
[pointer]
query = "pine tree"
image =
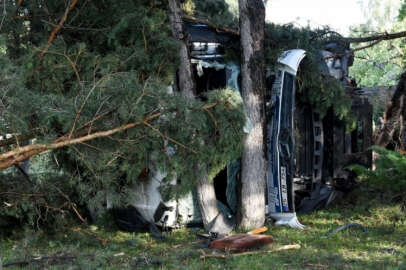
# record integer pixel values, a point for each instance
(94, 76)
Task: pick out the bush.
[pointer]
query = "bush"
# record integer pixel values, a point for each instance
(390, 172)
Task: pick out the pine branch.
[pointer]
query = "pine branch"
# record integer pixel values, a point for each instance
(219, 29)
(380, 37)
(355, 49)
(384, 36)
(367, 46)
(81, 135)
(57, 28)
(22, 153)
(168, 138)
(76, 28)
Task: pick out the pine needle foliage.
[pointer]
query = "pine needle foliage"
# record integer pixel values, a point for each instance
(219, 12)
(109, 65)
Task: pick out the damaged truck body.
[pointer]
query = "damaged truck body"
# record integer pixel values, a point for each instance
(307, 153)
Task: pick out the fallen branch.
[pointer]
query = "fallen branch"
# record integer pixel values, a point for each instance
(374, 40)
(168, 138)
(57, 28)
(76, 28)
(22, 153)
(82, 135)
(384, 36)
(351, 52)
(16, 139)
(218, 29)
(248, 253)
(380, 37)
(367, 46)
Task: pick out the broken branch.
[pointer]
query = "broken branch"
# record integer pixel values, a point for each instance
(384, 36)
(57, 28)
(21, 153)
(216, 27)
(226, 256)
(168, 138)
(367, 46)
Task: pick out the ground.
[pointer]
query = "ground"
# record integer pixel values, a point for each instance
(383, 246)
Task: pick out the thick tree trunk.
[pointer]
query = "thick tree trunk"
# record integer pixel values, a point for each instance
(252, 24)
(208, 208)
(393, 130)
(185, 75)
(213, 220)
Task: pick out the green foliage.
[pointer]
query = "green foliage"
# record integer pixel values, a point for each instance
(279, 38)
(110, 167)
(219, 12)
(383, 63)
(39, 201)
(110, 65)
(321, 91)
(325, 93)
(402, 11)
(390, 172)
(379, 65)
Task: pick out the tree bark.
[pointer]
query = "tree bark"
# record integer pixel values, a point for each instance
(185, 75)
(252, 25)
(213, 220)
(206, 197)
(393, 129)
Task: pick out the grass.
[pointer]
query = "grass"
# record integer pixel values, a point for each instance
(382, 247)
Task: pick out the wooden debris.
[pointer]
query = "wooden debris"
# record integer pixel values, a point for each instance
(248, 253)
(241, 242)
(258, 230)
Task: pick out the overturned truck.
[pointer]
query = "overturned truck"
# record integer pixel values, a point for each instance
(307, 154)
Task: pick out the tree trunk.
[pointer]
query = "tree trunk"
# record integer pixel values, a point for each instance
(213, 220)
(393, 130)
(185, 74)
(252, 25)
(206, 197)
